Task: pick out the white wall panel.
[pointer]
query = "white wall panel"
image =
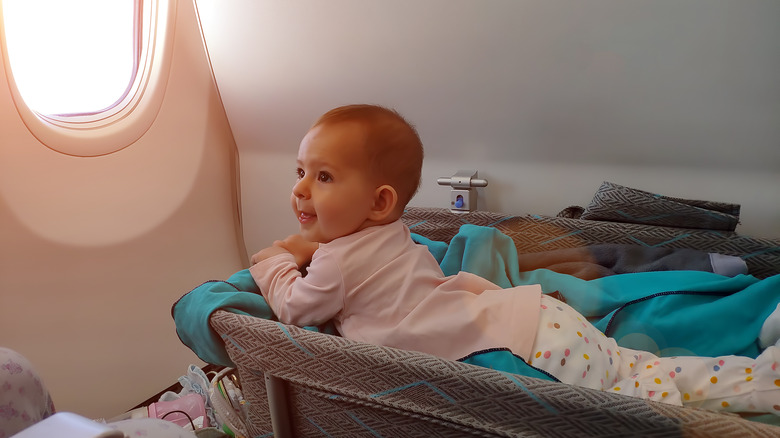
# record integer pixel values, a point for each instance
(547, 98)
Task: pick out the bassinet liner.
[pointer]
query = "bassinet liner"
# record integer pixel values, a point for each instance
(336, 387)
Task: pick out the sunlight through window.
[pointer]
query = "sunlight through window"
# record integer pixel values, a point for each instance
(72, 57)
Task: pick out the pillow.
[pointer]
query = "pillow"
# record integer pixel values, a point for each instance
(617, 203)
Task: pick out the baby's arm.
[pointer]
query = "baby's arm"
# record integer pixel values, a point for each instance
(298, 300)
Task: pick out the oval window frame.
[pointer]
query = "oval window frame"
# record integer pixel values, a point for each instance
(122, 124)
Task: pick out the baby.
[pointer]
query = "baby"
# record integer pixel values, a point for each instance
(358, 167)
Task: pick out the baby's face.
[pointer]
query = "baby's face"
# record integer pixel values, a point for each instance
(334, 193)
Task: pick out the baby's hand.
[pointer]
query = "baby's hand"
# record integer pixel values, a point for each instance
(301, 249)
(266, 253)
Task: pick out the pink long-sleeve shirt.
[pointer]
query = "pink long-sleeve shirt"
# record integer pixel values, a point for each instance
(382, 288)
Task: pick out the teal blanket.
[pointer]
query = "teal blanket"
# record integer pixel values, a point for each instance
(667, 313)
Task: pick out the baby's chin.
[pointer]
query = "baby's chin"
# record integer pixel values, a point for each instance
(314, 233)
(312, 237)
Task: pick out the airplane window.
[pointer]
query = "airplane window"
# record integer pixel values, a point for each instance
(72, 57)
(87, 77)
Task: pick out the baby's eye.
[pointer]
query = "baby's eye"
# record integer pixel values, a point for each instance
(299, 172)
(325, 177)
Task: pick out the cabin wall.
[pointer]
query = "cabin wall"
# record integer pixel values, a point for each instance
(545, 98)
(95, 250)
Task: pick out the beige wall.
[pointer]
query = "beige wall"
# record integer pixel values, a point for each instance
(94, 251)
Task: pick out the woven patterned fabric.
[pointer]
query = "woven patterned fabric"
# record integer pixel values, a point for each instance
(344, 388)
(613, 202)
(534, 233)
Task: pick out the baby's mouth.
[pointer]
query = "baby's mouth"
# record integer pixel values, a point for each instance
(304, 217)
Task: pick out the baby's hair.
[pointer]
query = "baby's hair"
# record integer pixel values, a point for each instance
(393, 147)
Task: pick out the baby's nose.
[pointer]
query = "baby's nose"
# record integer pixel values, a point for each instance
(301, 189)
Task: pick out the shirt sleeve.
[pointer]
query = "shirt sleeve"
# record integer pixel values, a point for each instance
(298, 300)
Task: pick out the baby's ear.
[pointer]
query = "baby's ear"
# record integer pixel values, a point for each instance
(385, 201)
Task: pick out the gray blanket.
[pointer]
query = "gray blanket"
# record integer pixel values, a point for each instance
(596, 261)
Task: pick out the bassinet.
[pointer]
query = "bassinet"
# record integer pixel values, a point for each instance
(324, 385)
